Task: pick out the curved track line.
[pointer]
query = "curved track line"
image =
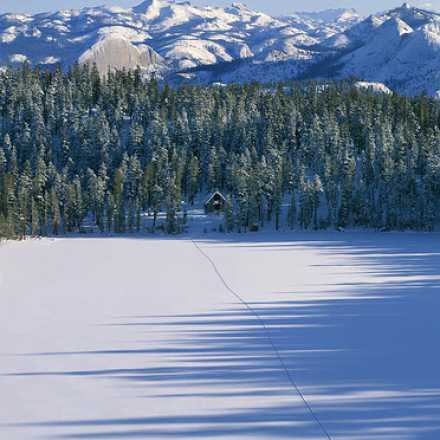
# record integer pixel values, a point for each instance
(269, 337)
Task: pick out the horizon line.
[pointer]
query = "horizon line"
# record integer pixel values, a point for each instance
(232, 3)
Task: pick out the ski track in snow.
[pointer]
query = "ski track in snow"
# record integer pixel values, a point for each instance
(269, 337)
(121, 338)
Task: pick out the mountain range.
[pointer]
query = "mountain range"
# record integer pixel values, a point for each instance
(182, 43)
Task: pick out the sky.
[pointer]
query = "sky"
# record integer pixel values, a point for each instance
(274, 7)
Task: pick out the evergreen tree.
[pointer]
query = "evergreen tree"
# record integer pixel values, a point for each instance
(76, 146)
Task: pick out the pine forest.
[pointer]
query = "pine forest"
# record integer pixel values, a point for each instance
(77, 149)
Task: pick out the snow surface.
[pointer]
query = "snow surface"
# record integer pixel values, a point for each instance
(373, 86)
(137, 337)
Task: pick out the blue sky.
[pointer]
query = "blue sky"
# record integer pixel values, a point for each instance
(273, 6)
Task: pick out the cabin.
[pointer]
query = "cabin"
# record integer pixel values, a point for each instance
(216, 203)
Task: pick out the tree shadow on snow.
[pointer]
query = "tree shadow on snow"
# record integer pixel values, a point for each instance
(367, 363)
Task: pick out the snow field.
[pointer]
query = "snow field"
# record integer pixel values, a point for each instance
(138, 338)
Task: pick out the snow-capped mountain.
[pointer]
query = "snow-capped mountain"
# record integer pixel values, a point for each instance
(165, 36)
(184, 43)
(400, 48)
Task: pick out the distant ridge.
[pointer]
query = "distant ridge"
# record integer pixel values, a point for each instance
(179, 42)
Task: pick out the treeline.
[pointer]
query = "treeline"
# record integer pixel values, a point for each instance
(77, 148)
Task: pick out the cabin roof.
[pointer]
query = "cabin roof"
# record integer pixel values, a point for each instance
(215, 193)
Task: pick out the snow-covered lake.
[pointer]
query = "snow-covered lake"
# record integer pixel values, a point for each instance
(114, 338)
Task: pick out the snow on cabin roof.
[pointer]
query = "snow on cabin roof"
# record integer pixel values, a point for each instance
(213, 195)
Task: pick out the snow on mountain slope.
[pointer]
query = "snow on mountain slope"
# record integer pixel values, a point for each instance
(331, 15)
(372, 86)
(149, 9)
(400, 48)
(178, 41)
(355, 35)
(417, 64)
(163, 36)
(373, 55)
